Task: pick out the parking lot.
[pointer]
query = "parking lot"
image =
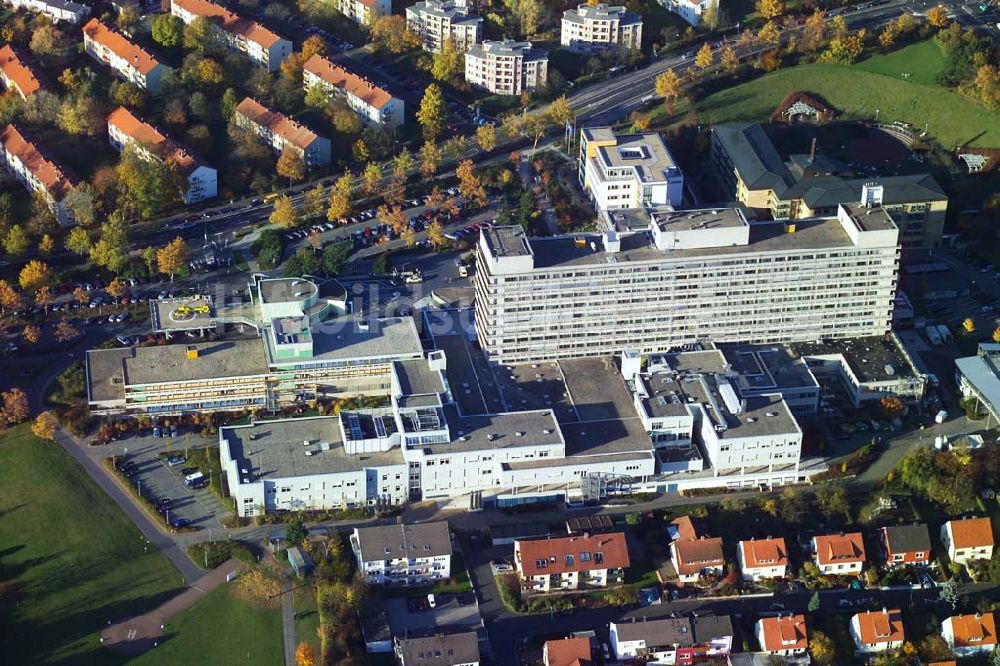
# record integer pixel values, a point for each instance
(453, 611)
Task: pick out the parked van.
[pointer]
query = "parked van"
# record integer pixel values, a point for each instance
(192, 479)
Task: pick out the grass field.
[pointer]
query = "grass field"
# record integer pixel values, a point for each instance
(856, 92)
(220, 630)
(923, 61)
(75, 558)
(307, 617)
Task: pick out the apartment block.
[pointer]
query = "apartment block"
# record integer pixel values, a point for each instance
(17, 73)
(128, 61)
(507, 67)
(628, 171)
(690, 10)
(375, 105)
(571, 563)
(978, 377)
(363, 12)
(601, 27)
(434, 21)
(57, 10)
(413, 554)
(681, 278)
(749, 169)
(27, 161)
(262, 46)
(440, 649)
(280, 132)
(124, 128)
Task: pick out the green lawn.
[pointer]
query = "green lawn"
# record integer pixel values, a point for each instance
(923, 61)
(74, 557)
(307, 617)
(220, 630)
(856, 92)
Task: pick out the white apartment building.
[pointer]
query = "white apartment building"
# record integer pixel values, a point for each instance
(970, 635)
(280, 132)
(434, 21)
(690, 276)
(690, 10)
(375, 105)
(126, 60)
(26, 162)
(363, 12)
(571, 563)
(403, 554)
(57, 10)
(17, 73)
(124, 128)
(978, 378)
(600, 27)
(761, 559)
(507, 67)
(628, 171)
(263, 47)
(968, 540)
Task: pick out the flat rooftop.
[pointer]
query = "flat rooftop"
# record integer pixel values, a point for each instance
(596, 388)
(667, 397)
(284, 290)
(416, 377)
(871, 359)
(275, 449)
(763, 367)
(694, 362)
(170, 363)
(347, 338)
(570, 461)
(690, 220)
(498, 431)
(869, 219)
(646, 153)
(182, 314)
(612, 436)
(507, 241)
(106, 373)
(762, 416)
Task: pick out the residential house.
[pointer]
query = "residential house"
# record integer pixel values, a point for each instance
(363, 12)
(762, 558)
(571, 563)
(506, 67)
(694, 558)
(969, 635)
(414, 554)
(28, 163)
(124, 128)
(877, 631)
(459, 649)
(57, 10)
(17, 73)
(567, 652)
(601, 27)
(434, 21)
(127, 60)
(968, 540)
(672, 640)
(906, 544)
(264, 47)
(839, 554)
(784, 635)
(690, 10)
(374, 104)
(280, 132)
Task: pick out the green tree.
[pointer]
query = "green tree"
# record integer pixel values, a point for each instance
(402, 164)
(951, 593)
(832, 499)
(433, 113)
(147, 186)
(296, 532)
(203, 35)
(229, 102)
(814, 602)
(127, 94)
(168, 30)
(111, 250)
(449, 62)
(335, 256)
(80, 203)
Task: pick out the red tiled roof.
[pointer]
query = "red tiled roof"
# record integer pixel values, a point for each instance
(693, 555)
(786, 632)
(974, 630)
(57, 180)
(294, 133)
(148, 136)
(543, 557)
(840, 548)
(764, 553)
(348, 81)
(16, 70)
(877, 627)
(686, 528)
(117, 44)
(971, 532)
(567, 652)
(230, 22)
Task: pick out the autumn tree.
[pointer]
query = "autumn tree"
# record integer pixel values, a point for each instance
(172, 257)
(704, 58)
(769, 60)
(486, 137)
(304, 655)
(529, 15)
(469, 185)
(968, 325)
(402, 164)
(821, 648)
(45, 426)
(846, 48)
(15, 406)
(360, 152)
(9, 298)
(435, 234)
(202, 34)
(768, 34)
(34, 275)
(668, 86)
(560, 112)
(81, 296)
(31, 334)
(433, 113)
(813, 32)
(729, 61)
(390, 33)
(371, 178)
(147, 186)
(430, 156)
(291, 165)
(339, 204)
(44, 297)
(890, 406)
(937, 17)
(78, 241)
(449, 62)
(314, 201)
(770, 9)
(65, 331)
(117, 288)
(284, 213)
(16, 242)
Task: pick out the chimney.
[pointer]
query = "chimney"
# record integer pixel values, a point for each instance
(812, 150)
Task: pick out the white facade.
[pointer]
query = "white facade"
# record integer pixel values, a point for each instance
(600, 27)
(126, 60)
(507, 67)
(57, 10)
(280, 132)
(363, 12)
(628, 171)
(784, 635)
(690, 10)
(970, 635)
(877, 631)
(417, 554)
(26, 163)
(964, 550)
(434, 21)
(263, 47)
(586, 295)
(375, 105)
(762, 559)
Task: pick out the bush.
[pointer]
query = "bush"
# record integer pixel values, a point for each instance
(210, 554)
(268, 249)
